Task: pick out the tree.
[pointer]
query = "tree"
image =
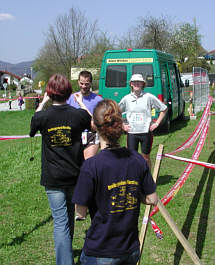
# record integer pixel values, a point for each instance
(67, 40)
(150, 33)
(187, 66)
(185, 41)
(127, 41)
(93, 58)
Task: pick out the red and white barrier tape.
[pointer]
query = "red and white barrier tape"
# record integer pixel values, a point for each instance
(204, 164)
(16, 137)
(156, 229)
(7, 99)
(191, 140)
(180, 182)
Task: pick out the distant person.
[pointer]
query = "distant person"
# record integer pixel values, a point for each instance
(138, 106)
(90, 99)
(10, 100)
(115, 179)
(62, 155)
(20, 101)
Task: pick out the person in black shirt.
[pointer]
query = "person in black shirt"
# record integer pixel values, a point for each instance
(116, 179)
(62, 155)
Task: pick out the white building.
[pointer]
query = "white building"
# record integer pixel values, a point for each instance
(9, 78)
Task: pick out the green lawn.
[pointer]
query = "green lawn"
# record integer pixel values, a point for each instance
(26, 225)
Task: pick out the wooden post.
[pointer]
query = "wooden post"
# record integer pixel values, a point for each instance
(148, 207)
(184, 242)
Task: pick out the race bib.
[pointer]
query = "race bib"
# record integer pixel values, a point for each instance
(138, 122)
(136, 118)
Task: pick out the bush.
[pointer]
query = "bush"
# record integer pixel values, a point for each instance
(75, 87)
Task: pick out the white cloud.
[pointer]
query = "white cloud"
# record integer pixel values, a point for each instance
(6, 16)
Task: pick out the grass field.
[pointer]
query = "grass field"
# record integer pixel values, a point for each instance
(26, 225)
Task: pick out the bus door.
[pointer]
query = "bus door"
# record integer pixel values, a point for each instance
(165, 80)
(175, 91)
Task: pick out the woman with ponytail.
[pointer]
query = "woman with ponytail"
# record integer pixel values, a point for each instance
(115, 180)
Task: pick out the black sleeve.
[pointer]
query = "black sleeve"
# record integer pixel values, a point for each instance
(35, 125)
(148, 184)
(84, 189)
(85, 119)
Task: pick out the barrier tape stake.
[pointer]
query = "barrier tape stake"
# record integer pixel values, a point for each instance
(184, 242)
(148, 207)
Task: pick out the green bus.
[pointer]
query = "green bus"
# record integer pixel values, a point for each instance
(159, 69)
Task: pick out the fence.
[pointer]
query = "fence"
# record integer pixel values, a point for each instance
(200, 89)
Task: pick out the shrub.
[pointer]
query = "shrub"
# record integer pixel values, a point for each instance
(75, 87)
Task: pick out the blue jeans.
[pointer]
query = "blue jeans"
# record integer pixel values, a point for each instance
(60, 201)
(130, 259)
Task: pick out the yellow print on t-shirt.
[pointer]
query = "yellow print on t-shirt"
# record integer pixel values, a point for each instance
(60, 136)
(123, 196)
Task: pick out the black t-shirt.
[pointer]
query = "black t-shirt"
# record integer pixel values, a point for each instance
(62, 151)
(115, 179)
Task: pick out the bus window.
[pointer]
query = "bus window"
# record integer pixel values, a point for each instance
(116, 76)
(146, 70)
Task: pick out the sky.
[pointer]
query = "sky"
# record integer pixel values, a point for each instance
(24, 24)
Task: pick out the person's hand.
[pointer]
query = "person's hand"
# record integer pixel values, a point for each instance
(153, 126)
(126, 127)
(78, 98)
(45, 98)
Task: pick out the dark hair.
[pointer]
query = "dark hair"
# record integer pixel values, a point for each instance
(59, 88)
(86, 74)
(107, 118)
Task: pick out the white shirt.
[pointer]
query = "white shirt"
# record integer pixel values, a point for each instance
(138, 110)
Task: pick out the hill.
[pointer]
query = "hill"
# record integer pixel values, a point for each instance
(19, 69)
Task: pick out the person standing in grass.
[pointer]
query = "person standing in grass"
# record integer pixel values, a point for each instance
(116, 179)
(62, 155)
(90, 99)
(138, 106)
(20, 101)
(10, 100)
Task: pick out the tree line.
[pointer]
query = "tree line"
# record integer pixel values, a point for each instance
(75, 41)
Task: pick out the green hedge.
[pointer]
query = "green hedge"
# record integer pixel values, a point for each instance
(75, 86)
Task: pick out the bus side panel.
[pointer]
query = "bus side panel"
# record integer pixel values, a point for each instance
(119, 65)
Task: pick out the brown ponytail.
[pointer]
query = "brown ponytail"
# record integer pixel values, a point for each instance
(107, 118)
